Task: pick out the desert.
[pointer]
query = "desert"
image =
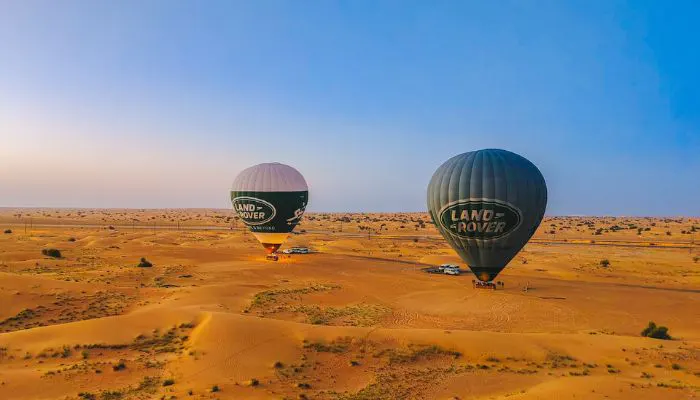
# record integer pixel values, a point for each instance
(349, 200)
(357, 318)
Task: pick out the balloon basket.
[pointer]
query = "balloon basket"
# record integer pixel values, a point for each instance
(479, 284)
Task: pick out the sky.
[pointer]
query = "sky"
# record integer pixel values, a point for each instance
(150, 104)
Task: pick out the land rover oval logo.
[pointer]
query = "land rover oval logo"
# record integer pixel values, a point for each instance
(483, 219)
(253, 211)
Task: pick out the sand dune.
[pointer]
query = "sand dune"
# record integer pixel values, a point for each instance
(358, 319)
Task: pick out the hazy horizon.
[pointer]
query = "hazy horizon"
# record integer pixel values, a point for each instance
(160, 104)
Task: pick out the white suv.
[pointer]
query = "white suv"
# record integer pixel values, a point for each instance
(451, 270)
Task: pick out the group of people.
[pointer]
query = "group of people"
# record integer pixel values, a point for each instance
(479, 284)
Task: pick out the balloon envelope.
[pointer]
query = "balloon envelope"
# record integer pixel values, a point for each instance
(487, 204)
(270, 199)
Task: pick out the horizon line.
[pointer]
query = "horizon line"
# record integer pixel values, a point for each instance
(328, 212)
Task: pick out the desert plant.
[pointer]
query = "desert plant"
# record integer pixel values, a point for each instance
(605, 263)
(656, 332)
(54, 253)
(119, 366)
(8, 231)
(168, 382)
(215, 388)
(696, 259)
(145, 263)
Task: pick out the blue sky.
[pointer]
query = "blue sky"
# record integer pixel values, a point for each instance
(162, 103)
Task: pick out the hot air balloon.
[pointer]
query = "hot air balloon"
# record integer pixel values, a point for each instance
(270, 199)
(487, 204)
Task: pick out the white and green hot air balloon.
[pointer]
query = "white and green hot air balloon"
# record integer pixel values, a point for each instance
(270, 199)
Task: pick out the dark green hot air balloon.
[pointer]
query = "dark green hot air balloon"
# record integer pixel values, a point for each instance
(487, 204)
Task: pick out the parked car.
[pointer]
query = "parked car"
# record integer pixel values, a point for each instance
(296, 250)
(442, 267)
(451, 270)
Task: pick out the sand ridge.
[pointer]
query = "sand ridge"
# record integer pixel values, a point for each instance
(357, 319)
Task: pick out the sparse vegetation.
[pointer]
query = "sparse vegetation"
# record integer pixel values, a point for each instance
(53, 253)
(605, 263)
(656, 332)
(145, 263)
(169, 382)
(8, 231)
(120, 366)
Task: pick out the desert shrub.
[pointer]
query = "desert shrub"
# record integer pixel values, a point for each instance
(145, 263)
(87, 396)
(215, 388)
(8, 231)
(119, 366)
(71, 239)
(605, 263)
(676, 367)
(656, 332)
(111, 395)
(696, 259)
(168, 382)
(55, 253)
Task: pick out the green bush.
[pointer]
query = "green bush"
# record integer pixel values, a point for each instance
(168, 382)
(8, 231)
(119, 366)
(55, 253)
(656, 332)
(605, 263)
(145, 263)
